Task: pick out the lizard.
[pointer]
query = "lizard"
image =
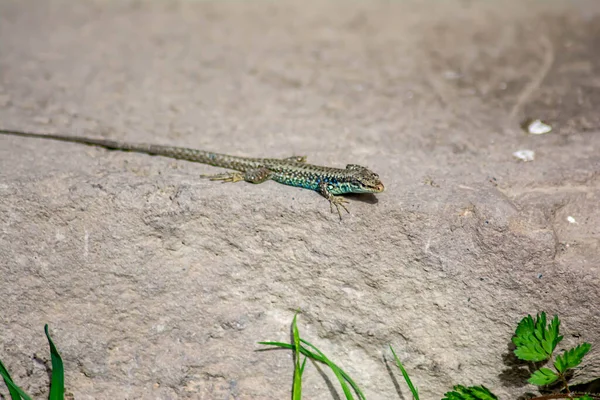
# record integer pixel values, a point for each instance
(293, 171)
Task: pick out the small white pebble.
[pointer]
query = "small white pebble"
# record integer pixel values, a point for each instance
(524, 155)
(451, 75)
(571, 220)
(537, 127)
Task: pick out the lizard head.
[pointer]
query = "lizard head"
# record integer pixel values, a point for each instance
(363, 180)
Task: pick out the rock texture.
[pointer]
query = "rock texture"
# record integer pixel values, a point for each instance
(157, 284)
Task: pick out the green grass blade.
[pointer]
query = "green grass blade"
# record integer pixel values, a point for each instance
(322, 359)
(297, 386)
(57, 382)
(20, 391)
(413, 389)
(303, 365)
(342, 376)
(303, 350)
(336, 370)
(16, 393)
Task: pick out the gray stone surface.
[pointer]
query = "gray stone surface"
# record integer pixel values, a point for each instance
(158, 284)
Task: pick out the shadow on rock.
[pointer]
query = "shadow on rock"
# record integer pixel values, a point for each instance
(517, 371)
(390, 372)
(369, 198)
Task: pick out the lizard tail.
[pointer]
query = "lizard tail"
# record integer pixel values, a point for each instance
(181, 153)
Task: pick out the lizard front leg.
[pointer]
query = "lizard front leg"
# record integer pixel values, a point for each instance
(336, 201)
(258, 175)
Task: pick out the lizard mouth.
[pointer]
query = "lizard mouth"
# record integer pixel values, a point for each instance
(379, 188)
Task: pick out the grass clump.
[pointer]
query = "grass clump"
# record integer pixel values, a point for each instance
(301, 347)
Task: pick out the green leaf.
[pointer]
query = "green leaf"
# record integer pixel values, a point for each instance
(297, 387)
(470, 393)
(534, 341)
(571, 358)
(337, 371)
(319, 356)
(57, 382)
(413, 389)
(543, 377)
(585, 397)
(303, 350)
(303, 365)
(16, 393)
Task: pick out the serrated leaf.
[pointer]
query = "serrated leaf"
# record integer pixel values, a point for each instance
(524, 328)
(571, 358)
(543, 377)
(534, 341)
(470, 393)
(554, 329)
(532, 351)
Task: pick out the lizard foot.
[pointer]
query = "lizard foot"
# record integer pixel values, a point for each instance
(338, 202)
(226, 177)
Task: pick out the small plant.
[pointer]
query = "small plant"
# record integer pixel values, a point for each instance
(535, 342)
(317, 355)
(57, 381)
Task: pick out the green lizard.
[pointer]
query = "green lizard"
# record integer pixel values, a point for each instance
(292, 171)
